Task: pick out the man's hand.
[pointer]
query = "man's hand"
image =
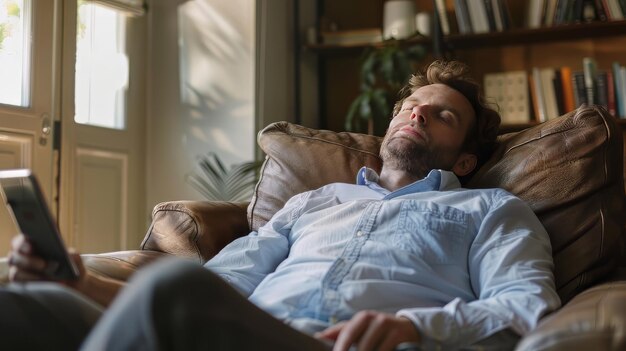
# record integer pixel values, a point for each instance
(371, 330)
(26, 265)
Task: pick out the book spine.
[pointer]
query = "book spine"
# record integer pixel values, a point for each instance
(616, 11)
(462, 17)
(607, 10)
(478, 16)
(443, 16)
(619, 92)
(539, 96)
(535, 12)
(589, 70)
(602, 98)
(491, 19)
(557, 84)
(600, 10)
(506, 14)
(550, 13)
(568, 89)
(549, 96)
(580, 94)
(610, 89)
(622, 71)
(578, 10)
(497, 15)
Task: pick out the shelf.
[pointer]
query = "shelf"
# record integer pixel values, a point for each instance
(566, 32)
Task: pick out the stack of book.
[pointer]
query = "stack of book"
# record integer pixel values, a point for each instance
(551, 92)
(483, 16)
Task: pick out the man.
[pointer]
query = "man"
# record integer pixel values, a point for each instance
(406, 256)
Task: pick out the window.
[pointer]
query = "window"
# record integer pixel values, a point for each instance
(15, 49)
(101, 66)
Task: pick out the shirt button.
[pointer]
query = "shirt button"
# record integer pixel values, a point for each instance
(359, 233)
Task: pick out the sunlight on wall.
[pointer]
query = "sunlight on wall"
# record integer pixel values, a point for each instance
(216, 52)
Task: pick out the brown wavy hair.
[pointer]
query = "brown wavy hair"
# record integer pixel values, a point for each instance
(481, 137)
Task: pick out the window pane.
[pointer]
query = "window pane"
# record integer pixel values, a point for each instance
(101, 67)
(15, 50)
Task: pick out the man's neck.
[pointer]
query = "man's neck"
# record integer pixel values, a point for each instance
(394, 179)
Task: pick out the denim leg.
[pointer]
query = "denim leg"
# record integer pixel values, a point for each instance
(178, 305)
(44, 316)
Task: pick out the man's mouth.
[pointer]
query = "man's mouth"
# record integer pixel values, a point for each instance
(411, 132)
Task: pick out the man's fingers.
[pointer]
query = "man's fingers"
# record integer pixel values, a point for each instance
(372, 337)
(19, 243)
(352, 331)
(331, 332)
(28, 263)
(18, 275)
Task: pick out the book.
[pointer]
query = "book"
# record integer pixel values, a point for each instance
(538, 96)
(550, 12)
(478, 16)
(462, 16)
(589, 70)
(557, 84)
(505, 13)
(549, 95)
(610, 88)
(622, 71)
(534, 13)
(601, 90)
(357, 36)
(497, 15)
(600, 10)
(491, 19)
(619, 92)
(568, 89)
(561, 11)
(443, 16)
(580, 93)
(615, 10)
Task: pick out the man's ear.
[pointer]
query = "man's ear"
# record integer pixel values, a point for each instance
(465, 164)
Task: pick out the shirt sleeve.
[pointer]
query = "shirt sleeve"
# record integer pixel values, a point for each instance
(247, 260)
(510, 266)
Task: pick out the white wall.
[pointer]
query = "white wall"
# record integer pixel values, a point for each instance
(205, 104)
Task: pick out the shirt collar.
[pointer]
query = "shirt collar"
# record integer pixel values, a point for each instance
(436, 180)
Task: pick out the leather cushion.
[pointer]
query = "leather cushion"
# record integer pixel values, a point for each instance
(568, 169)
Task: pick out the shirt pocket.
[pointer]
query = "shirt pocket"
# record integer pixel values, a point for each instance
(437, 234)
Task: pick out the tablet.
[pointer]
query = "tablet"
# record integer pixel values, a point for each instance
(22, 194)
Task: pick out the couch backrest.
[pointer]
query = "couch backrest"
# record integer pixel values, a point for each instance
(569, 170)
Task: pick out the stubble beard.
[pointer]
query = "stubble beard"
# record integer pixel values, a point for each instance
(415, 159)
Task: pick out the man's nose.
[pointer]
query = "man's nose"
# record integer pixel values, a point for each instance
(419, 114)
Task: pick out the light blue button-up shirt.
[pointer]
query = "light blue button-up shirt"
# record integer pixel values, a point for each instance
(461, 264)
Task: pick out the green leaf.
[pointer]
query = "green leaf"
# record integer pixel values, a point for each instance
(352, 112)
(217, 183)
(365, 109)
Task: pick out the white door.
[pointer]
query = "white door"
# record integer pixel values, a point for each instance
(102, 150)
(27, 96)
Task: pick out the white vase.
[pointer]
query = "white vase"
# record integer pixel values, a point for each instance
(399, 19)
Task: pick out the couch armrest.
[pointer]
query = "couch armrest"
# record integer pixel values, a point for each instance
(593, 320)
(195, 229)
(120, 265)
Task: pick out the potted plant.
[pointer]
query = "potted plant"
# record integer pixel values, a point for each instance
(384, 70)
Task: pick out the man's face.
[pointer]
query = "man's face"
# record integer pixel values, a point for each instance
(429, 131)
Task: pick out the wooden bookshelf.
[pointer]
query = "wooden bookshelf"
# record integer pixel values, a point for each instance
(517, 36)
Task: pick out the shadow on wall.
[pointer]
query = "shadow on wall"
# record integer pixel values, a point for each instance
(216, 52)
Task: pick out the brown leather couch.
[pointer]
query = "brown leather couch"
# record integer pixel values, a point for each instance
(568, 169)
